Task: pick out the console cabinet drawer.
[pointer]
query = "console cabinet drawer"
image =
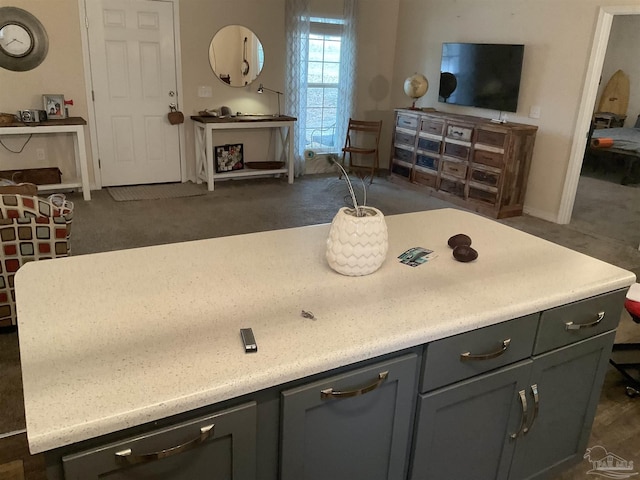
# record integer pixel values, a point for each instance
(493, 159)
(402, 154)
(460, 132)
(407, 121)
(454, 168)
(491, 138)
(424, 178)
(485, 176)
(405, 138)
(577, 321)
(432, 126)
(429, 145)
(401, 169)
(427, 161)
(456, 150)
(469, 354)
(485, 195)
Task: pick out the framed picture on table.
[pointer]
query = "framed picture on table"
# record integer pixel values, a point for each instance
(229, 157)
(53, 105)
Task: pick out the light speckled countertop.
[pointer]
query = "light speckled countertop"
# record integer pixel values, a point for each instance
(118, 339)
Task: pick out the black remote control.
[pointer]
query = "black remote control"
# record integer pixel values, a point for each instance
(249, 340)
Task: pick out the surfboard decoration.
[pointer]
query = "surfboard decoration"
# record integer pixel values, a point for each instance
(615, 96)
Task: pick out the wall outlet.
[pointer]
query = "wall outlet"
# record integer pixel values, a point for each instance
(534, 111)
(205, 91)
(40, 154)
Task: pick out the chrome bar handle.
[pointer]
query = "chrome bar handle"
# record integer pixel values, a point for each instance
(486, 356)
(578, 326)
(331, 393)
(536, 407)
(523, 421)
(127, 457)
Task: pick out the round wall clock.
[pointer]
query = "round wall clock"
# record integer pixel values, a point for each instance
(23, 40)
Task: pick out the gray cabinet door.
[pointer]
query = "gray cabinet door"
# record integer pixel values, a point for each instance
(568, 383)
(221, 446)
(465, 430)
(361, 436)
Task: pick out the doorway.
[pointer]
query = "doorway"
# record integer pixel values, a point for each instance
(132, 48)
(590, 91)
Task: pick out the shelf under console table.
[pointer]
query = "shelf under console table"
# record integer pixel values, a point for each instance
(74, 125)
(204, 128)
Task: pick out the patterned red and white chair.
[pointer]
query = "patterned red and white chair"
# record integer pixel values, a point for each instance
(31, 228)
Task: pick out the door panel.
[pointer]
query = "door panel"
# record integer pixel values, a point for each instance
(133, 67)
(464, 431)
(365, 436)
(569, 381)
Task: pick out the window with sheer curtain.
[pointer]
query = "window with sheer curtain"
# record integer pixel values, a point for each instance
(320, 77)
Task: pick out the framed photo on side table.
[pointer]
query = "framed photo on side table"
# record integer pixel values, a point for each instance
(229, 157)
(53, 105)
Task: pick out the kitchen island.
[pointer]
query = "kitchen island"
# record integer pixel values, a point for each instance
(115, 345)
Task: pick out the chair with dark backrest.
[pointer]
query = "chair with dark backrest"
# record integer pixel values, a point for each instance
(31, 228)
(363, 140)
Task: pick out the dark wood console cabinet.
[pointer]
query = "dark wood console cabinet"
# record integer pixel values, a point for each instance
(469, 161)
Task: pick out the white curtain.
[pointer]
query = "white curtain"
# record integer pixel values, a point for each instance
(347, 82)
(297, 23)
(297, 27)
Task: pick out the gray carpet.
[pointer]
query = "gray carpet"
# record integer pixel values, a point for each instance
(605, 227)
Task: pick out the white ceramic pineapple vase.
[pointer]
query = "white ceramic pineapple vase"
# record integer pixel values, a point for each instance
(357, 245)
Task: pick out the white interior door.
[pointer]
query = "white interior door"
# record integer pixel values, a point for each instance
(134, 79)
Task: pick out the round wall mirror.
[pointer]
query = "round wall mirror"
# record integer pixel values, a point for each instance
(236, 55)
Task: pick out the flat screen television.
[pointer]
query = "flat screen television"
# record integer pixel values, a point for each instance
(483, 75)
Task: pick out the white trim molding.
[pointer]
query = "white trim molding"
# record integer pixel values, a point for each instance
(589, 93)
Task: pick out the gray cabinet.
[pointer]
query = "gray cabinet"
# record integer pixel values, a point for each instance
(221, 446)
(354, 425)
(522, 421)
(568, 389)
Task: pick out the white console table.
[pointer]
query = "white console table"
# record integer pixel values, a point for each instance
(73, 125)
(203, 132)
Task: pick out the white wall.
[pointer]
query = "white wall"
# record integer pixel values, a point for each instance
(622, 54)
(557, 35)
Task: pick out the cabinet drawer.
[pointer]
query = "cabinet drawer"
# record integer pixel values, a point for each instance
(401, 169)
(429, 145)
(487, 348)
(485, 195)
(424, 178)
(456, 150)
(459, 132)
(451, 186)
(407, 121)
(485, 176)
(403, 154)
(221, 445)
(405, 138)
(427, 161)
(432, 126)
(493, 159)
(491, 138)
(576, 321)
(455, 169)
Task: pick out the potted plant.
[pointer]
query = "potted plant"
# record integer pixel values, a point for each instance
(358, 240)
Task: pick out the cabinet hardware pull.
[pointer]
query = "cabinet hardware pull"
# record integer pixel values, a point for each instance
(127, 457)
(486, 356)
(523, 420)
(536, 407)
(578, 326)
(331, 393)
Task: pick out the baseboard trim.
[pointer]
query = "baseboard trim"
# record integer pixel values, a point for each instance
(12, 434)
(541, 214)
